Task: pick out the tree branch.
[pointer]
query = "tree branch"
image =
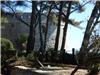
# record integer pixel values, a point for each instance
(17, 15)
(81, 6)
(73, 10)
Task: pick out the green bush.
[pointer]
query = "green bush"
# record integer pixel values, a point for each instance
(21, 44)
(6, 44)
(53, 56)
(23, 38)
(50, 51)
(31, 56)
(7, 50)
(93, 69)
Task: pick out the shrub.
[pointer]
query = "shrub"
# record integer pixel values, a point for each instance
(31, 56)
(7, 50)
(93, 69)
(21, 44)
(53, 56)
(23, 38)
(6, 45)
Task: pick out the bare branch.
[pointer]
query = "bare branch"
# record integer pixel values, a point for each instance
(81, 6)
(17, 15)
(73, 10)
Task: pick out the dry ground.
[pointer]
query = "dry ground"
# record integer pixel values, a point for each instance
(53, 71)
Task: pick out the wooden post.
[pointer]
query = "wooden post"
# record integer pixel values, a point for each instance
(73, 51)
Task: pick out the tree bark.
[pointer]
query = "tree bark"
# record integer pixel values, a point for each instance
(41, 49)
(31, 37)
(47, 23)
(40, 30)
(83, 50)
(87, 34)
(66, 26)
(75, 70)
(58, 27)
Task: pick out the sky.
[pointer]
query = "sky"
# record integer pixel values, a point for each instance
(75, 35)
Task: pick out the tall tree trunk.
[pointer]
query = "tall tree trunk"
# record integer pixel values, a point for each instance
(58, 27)
(66, 26)
(87, 34)
(31, 37)
(41, 49)
(41, 38)
(83, 50)
(40, 30)
(47, 23)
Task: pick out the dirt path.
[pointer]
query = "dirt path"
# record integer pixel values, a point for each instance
(48, 71)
